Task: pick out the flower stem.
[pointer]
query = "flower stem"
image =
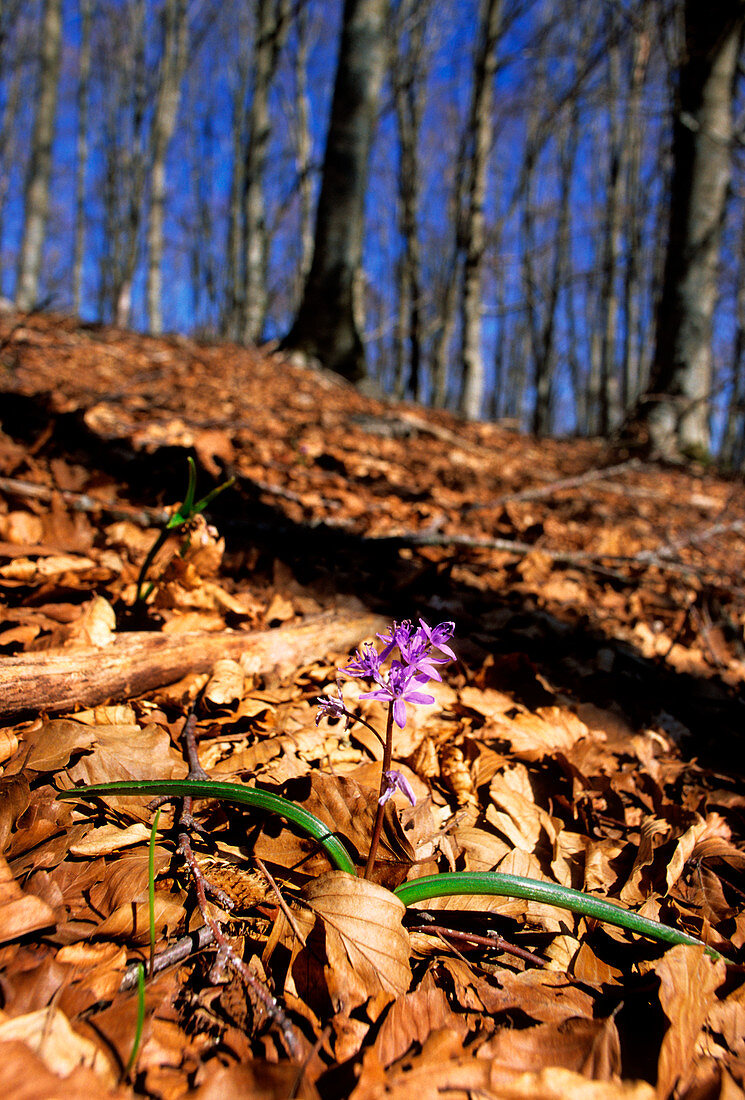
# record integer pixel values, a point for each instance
(378, 827)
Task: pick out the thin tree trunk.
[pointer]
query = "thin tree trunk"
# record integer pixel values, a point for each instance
(480, 138)
(303, 149)
(609, 412)
(635, 212)
(133, 216)
(408, 101)
(81, 162)
(272, 21)
(36, 190)
(168, 95)
(235, 251)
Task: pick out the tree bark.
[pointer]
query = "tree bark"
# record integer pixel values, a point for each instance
(408, 95)
(36, 190)
(172, 66)
(480, 137)
(326, 324)
(675, 409)
(272, 21)
(59, 680)
(81, 151)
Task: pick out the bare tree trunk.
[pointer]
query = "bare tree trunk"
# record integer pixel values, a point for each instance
(136, 158)
(8, 125)
(81, 160)
(236, 281)
(632, 144)
(272, 20)
(326, 325)
(447, 313)
(172, 67)
(36, 190)
(303, 149)
(408, 89)
(675, 409)
(480, 137)
(733, 443)
(609, 412)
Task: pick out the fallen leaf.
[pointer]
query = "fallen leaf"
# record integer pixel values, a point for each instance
(367, 947)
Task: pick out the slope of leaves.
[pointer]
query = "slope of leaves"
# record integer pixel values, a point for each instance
(590, 734)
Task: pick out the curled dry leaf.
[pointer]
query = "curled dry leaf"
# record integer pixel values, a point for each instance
(95, 626)
(367, 947)
(688, 980)
(20, 913)
(47, 1032)
(225, 686)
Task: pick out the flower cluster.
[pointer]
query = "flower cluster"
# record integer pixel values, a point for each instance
(420, 649)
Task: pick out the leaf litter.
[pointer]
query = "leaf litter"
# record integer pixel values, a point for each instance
(590, 734)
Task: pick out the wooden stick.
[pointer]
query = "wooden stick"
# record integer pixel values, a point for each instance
(56, 680)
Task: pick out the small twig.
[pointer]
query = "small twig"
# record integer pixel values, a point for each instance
(176, 952)
(280, 900)
(226, 953)
(82, 502)
(491, 940)
(541, 491)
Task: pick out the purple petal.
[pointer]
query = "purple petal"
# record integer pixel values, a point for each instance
(399, 713)
(394, 780)
(417, 697)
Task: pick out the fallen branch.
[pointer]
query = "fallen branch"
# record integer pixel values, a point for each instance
(541, 491)
(57, 680)
(82, 502)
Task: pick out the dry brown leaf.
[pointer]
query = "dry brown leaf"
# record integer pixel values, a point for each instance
(109, 839)
(95, 626)
(688, 980)
(558, 1084)
(413, 1017)
(128, 752)
(257, 1079)
(225, 686)
(20, 913)
(47, 1033)
(517, 816)
(25, 1076)
(367, 946)
(50, 746)
(442, 1068)
(589, 1047)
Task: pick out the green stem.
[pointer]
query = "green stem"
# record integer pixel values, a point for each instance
(515, 886)
(140, 1020)
(229, 792)
(422, 889)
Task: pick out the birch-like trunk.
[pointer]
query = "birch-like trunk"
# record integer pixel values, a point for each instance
(81, 151)
(38, 174)
(480, 137)
(168, 95)
(130, 232)
(272, 21)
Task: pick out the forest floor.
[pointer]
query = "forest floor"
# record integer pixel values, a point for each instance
(591, 733)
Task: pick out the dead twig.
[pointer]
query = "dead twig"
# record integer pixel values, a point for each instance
(542, 491)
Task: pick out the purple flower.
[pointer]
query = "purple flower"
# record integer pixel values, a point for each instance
(394, 780)
(396, 688)
(439, 636)
(366, 662)
(328, 707)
